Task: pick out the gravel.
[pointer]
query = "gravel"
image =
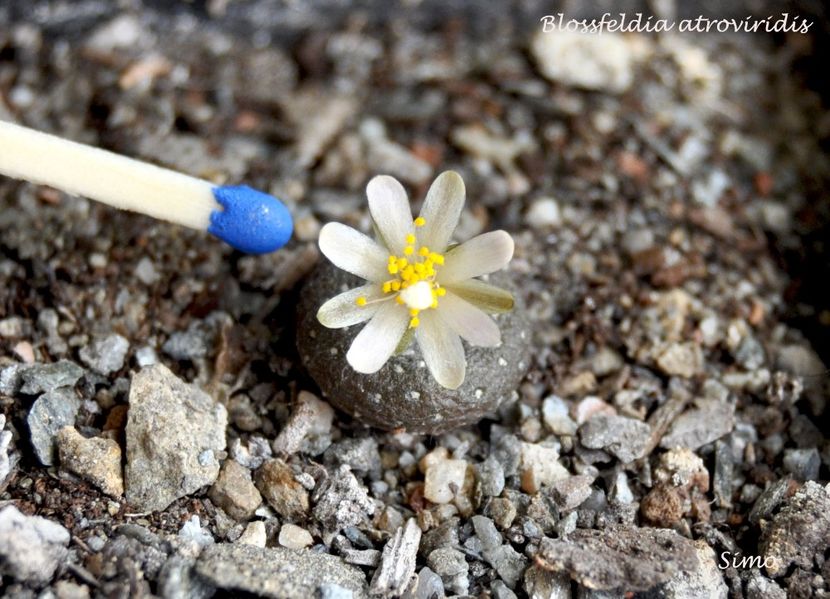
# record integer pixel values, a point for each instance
(174, 433)
(32, 548)
(664, 367)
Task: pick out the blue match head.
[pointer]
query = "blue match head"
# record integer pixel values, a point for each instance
(251, 221)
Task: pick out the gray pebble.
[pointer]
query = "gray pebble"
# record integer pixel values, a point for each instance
(625, 438)
(32, 548)
(50, 413)
(42, 378)
(105, 355)
(170, 424)
(803, 464)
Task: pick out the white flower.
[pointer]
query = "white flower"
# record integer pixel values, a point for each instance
(417, 282)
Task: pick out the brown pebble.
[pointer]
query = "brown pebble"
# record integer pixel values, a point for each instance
(663, 506)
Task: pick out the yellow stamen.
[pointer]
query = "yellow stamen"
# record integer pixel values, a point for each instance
(396, 285)
(399, 299)
(441, 292)
(402, 262)
(361, 301)
(393, 269)
(437, 258)
(413, 312)
(408, 250)
(423, 251)
(420, 268)
(410, 239)
(420, 221)
(387, 286)
(434, 303)
(413, 324)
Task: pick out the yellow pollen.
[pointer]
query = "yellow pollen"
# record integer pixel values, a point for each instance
(413, 324)
(420, 268)
(437, 258)
(410, 239)
(402, 262)
(413, 312)
(441, 292)
(423, 251)
(434, 303)
(420, 221)
(387, 286)
(361, 301)
(409, 250)
(393, 269)
(396, 285)
(399, 300)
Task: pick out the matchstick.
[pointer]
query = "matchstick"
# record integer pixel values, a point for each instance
(245, 218)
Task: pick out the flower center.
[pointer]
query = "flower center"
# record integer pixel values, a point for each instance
(414, 273)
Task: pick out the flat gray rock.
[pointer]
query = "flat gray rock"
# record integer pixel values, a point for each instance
(403, 393)
(31, 547)
(174, 431)
(628, 559)
(105, 355)
(708, 421)
(51, 412)
(42, 378)
(624, 438)
(277, 572)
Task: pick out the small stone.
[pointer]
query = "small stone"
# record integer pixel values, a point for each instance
(145, 271)
(174, 431)
(662, 506)
(254, 534)
(760, 587)
(704, 580)
(276, 572)
(540, 466)
(294, 537)
(403, 393)
(105, 355)
(11, 327)
(681, 467)
(146, 356)
(234, 491)
(427, 585)
(308, 427)
(543, 584)
(556, 415)
(42, 378)
(191, 344)
(361, 455)
(625, 438)
(487, 532)
(65, 589)
(619, 491)
(769, 499)
(636, 559)
(499, 590)
(51, 412)
(606, 361)
(503, 512)
(681, 359)
(803, 464)
(451, 566)
(97, 460)
(444, 479)
(31, 548)
(397, 563)
(543, 212)
(724, 474)
(341, 501)
(707, 422)
(799, 532)
(193, 532)
(569, 493)
(596, 62)
(490, 477)
(275, 480)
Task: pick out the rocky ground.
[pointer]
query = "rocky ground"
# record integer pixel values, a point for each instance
(161, 436)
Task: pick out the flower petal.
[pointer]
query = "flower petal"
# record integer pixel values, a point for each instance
(441, 211)
(468, 321)
(390, 210)
(483, 295)
(353, 252)
(377, 341)
(442, 350)
(481, 255)
(343, 311)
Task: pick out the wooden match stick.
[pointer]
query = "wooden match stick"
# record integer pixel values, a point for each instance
(245, 218)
